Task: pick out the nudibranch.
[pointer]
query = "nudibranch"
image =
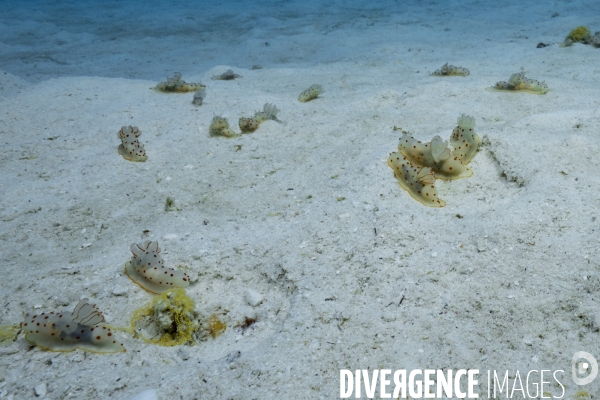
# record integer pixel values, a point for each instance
(82, 329)
(147, 269)
(464, 140)
(451, 70)
(226, 76)
(219, 126)
(130, 148)
(177, 85)
(419, 182)
(435, 155)
(417, 165)
(249, 125)
(519, 83)
(199, 97)
(310, 94)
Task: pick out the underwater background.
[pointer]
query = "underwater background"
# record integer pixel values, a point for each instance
(304, 254)
(145, 40)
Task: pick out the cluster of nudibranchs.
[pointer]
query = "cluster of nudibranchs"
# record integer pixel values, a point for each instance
(516, 83)
(220, 126)
(132, 150)
(417, 165)
(84, 328)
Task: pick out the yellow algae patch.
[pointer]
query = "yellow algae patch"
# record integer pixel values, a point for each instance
(581, 34)
(582, 395)
(8, 334)
(215, 326)
(170, 317)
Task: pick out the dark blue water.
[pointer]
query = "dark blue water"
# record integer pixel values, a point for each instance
(152, 39)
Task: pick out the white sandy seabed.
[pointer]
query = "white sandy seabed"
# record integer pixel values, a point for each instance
(355, 274)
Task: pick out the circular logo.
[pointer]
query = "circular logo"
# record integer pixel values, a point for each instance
(581, 363)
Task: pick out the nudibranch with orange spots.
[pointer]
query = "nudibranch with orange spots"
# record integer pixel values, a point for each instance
(464, 139)
(130, 148)
(435, 155)
(147, 269)
(419, 182)
(417, 165)
(82, 329)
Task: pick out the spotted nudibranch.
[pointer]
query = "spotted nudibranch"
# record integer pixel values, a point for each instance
(178, 85)
(82, 329)
(220, 127)
(249, 125)
(147, 269)
(519, 83)
(418, 181)
(464, 140)
(311, 93)
(130, 148)
(451, 70)
(226, 76)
